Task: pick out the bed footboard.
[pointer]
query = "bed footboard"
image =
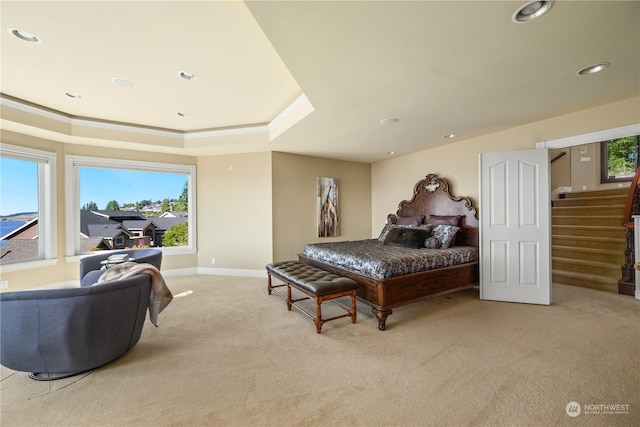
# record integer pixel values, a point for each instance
(385, 294)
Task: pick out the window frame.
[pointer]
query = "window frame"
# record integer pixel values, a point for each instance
(47, 205)
(604, 160)
(74, 163)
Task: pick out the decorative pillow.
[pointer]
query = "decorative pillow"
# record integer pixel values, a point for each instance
(384, 232)
(389, 227)
(407, 237)
(432, 243)
(410, 220)
(445, 219)
(446, 234)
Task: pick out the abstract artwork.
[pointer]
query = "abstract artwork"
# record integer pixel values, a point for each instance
(327, 207)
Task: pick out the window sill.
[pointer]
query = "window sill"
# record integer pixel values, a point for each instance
(166, 251)
(28, 265)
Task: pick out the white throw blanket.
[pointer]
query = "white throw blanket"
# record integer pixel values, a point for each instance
(160, 296)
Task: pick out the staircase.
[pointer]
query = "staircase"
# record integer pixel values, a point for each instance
(588, 238)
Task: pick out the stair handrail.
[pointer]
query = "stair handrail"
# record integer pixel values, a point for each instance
(563, 153)
(628, 211)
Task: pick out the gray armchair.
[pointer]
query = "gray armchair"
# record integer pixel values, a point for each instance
(90, 267)
(57, 333)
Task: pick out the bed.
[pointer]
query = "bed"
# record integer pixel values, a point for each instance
(392, 271)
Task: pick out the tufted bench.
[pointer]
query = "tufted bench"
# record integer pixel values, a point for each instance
(316, 284)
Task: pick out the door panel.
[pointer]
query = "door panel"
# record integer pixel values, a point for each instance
(515, 250)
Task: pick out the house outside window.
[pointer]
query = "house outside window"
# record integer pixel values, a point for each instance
(27, 207)
(118, 204)
(619, 159)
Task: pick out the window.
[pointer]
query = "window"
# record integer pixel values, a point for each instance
(619, 159)
(27, 207)
(118, 204)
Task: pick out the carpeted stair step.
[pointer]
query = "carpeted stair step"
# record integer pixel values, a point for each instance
(587, 210)
(589, 254)
(590, 242)
(591, 201)
(601, 283)
(593, 220)
(595, 268)
(596, 193)
(589, 238)
(583, 230)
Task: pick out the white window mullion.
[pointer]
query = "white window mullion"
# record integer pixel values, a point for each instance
(72, 206)
(47, 209)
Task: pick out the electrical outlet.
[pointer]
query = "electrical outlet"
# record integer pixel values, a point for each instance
(4, 284)
(213, 261)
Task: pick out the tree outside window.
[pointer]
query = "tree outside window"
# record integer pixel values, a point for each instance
(619, 159)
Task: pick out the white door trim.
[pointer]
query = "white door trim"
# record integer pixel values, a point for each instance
(588, 138)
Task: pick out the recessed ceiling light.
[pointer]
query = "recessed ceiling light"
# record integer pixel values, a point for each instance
(592, 69)
(73, 95)
(182, 114)
(391, 152)
(450, 136)
(123, 82)
(532, 10)
(187, 75)
(389, 121)
(24, 35)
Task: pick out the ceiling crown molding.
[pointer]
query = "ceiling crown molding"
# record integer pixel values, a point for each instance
(26, 114)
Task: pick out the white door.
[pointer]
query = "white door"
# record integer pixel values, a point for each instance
(515, 232)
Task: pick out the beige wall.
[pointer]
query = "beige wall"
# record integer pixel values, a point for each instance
(393, 180)
(261, 207)
(234, 211)
(585, 167)
(580, 169)
(295, 202)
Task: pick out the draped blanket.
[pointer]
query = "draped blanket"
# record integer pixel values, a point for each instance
(378, 261)
(160, 295)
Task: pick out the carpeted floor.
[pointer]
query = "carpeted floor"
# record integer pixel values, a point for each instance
(227, 354)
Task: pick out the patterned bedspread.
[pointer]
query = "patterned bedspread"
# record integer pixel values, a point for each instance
(373, 259)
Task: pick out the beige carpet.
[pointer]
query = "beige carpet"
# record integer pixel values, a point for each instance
(229, 355)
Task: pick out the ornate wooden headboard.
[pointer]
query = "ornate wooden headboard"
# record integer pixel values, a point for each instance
(431, 196)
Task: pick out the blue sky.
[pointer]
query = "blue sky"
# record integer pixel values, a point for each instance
(103, 185)
(19, 186)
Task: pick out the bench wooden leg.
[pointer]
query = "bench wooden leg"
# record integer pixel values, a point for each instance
(318, 316)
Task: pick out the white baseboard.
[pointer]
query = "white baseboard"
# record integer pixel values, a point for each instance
(233, 272)
(172, 273)
(179, 272)
(214, 272)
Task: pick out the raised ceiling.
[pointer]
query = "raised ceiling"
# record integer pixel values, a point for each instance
(306, 77)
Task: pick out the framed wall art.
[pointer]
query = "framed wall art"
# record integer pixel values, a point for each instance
(328, 224)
